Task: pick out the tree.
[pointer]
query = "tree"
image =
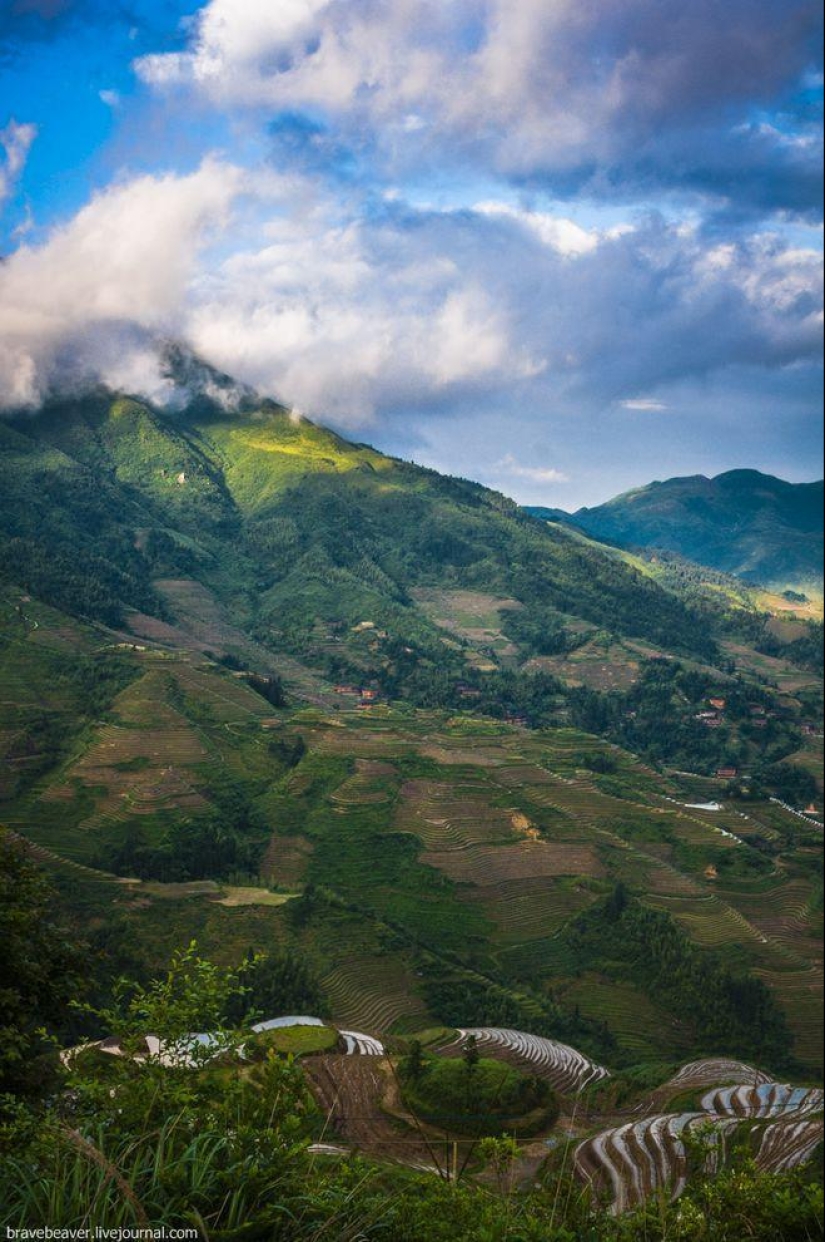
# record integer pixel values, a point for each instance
(471, 1055)
(169, 1133)
(616, 902)
(414, 1064)
(41, 970)
(500, 1154)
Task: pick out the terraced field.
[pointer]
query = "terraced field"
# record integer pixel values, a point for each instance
(800, 994)
(526, 860)
(708, 920)
(767, 1099)
(707, 1072)
(788, 1143)
(228, 698)
(636, 1159)
(139, 765)
(350, 1092)
(598, 664)
(567, 1070)
(375, 995)
(203, 625)
(528, 909)
(358, 1092)
(371, 783)
(784, 912)
(455, 832)
(471, 615)
(638, 1024)
(630, 1161)
(451, 815)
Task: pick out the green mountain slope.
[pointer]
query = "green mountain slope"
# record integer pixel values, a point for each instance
(266, 687)
(758, 527)
(305, 534)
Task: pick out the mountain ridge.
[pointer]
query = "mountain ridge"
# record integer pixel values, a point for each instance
(269, 687)
(763, 529)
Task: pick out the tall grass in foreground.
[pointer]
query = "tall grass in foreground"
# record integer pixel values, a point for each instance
(221, 1145)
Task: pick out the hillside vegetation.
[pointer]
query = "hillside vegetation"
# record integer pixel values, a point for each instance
(452, 771)
(758, 527)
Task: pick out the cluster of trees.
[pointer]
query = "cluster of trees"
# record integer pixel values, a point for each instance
(474, 1095)
(207, 848)
(657, 719)
(41, 970)
(116, 1145)
(809, 650)
(790, 784)
(277, 983)
(224, 843)
(269, 687)
(728, 1012)
(74, 579)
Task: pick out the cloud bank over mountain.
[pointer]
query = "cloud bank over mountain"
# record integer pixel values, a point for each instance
(354, 315)
(573, 223)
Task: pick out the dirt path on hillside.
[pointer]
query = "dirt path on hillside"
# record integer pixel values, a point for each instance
(351, 1090)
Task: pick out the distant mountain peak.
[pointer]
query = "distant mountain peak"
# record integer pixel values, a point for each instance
(744, 522)
(194, 379)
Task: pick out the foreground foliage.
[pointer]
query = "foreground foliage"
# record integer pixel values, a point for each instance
(223, 1146)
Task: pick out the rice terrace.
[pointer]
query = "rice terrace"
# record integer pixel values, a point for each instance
(432, 871)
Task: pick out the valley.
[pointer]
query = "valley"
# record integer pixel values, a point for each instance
(458, 773)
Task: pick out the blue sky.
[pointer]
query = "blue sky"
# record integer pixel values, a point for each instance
(563, 249)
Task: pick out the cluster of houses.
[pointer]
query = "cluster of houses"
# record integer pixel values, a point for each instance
(713, 716)
(367, 696)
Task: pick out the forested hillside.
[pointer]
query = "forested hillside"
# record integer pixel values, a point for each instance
(522, 825)
(761, 528)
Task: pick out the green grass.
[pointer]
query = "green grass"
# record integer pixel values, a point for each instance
(296, 1041)
(486, 1098)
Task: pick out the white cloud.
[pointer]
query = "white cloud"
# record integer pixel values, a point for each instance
(535, 474)
(645, 404)
(525, 88)
(558, 232)
(120, 268)
(352, 321)
(16, 140)
(357, 316)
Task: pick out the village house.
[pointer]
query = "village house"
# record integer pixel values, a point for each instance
(468, 692)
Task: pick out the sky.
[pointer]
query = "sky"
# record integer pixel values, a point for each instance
(563, 247)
